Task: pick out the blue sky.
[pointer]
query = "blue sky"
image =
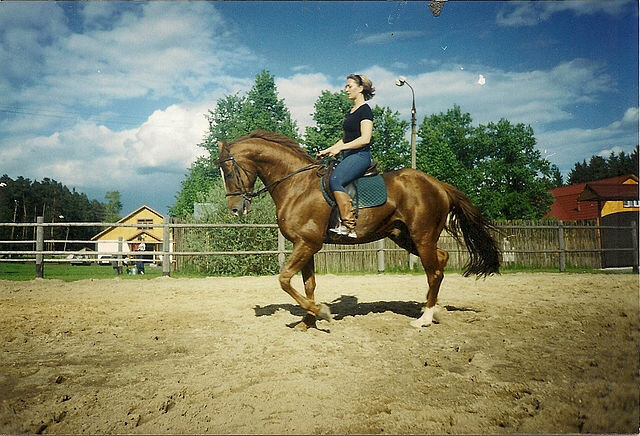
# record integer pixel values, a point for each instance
(105, 96)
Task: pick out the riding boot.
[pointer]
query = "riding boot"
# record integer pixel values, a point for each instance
(347, 218)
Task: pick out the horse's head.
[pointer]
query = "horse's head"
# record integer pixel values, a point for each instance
(238, 181)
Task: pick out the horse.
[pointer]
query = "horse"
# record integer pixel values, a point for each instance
(418, 208)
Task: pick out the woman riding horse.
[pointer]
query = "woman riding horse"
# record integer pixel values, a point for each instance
(354, 145)
(417, 210)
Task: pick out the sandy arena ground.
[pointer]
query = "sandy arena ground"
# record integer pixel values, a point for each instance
(518, 353)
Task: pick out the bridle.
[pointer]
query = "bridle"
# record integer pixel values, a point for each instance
(249, 195)
(245, 193)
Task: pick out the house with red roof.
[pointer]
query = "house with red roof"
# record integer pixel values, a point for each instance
(610, 202)
(594, 200)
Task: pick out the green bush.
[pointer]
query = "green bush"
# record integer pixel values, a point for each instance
(232, 239)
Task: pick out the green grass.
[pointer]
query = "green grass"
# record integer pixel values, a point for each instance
(69, 273)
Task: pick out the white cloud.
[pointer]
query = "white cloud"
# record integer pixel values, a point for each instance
(530, 13)
(92, 157)
(169, 138)
(300, 93)
(23, 40)
(532, 97)
(540, 98)
(573, 144)
(153, 50)
(389, 37)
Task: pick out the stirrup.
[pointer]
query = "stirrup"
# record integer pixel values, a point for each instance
(343, 231)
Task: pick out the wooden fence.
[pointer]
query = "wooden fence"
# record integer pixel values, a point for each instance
(524, 244)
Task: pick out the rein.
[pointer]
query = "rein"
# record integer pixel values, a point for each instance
(248, 195)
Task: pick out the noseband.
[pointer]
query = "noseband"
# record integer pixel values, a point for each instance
(248, 195)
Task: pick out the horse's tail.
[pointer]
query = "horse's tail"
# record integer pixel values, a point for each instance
(465, 219)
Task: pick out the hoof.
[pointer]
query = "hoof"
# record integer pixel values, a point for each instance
(419, 323)
(308, 322)
(324, 312)
(425, 320)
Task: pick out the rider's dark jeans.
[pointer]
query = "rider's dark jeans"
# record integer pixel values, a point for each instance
(350, 168)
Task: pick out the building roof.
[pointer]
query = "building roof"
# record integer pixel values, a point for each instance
(609, 192)
(128, 218)
(567, 207)
(138, 210)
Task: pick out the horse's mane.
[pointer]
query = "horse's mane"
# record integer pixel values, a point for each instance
(277, 138)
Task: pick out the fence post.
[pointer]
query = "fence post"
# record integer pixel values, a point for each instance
(166, 260)
(119, 257)
(412, 261)
(634, 239)
(380, 248)
(562, 254)
(281, 256)
(40, 247)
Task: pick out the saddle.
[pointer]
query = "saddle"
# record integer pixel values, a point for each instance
(366, 191)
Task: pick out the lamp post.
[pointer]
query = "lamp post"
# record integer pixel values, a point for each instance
(401, 80)
(66, 238)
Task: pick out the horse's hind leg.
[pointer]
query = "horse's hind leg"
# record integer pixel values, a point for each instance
(309, 278)
(434, 261)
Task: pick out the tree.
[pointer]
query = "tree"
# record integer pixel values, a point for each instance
(23, 200)
(224, 121)
(557, 177)
(199, 180)
(444, 151)
(329, 111)
(599, 167)
(512, 178)
(234, 116)
(496, 165)
(389, 146)
(260, 108)
(264, 110)
(113, 206)
(219, 239)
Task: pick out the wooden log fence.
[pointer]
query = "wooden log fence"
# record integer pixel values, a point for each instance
(553, 244)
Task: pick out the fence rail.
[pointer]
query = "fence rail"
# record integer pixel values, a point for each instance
(553, 244)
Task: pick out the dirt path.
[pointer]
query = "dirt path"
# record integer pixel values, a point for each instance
(518, 353)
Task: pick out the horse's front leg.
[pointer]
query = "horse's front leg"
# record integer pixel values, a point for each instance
(309, 278)
(300, 258)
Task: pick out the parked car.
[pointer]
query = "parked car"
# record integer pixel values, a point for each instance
(105, 260)
(79, 259)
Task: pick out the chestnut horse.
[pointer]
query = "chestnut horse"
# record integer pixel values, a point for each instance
(413, 217)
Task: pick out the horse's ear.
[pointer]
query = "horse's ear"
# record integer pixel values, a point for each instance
(220, 145)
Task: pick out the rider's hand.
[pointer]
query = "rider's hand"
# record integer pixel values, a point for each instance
(331, 151)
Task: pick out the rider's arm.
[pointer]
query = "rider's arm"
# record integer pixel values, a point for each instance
(366, 130)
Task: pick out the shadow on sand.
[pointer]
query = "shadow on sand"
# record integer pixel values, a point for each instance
(348, 305)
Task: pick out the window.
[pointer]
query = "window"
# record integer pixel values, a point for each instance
(144, 222)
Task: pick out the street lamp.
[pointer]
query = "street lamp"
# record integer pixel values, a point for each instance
(67, 236)
(401, 80)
